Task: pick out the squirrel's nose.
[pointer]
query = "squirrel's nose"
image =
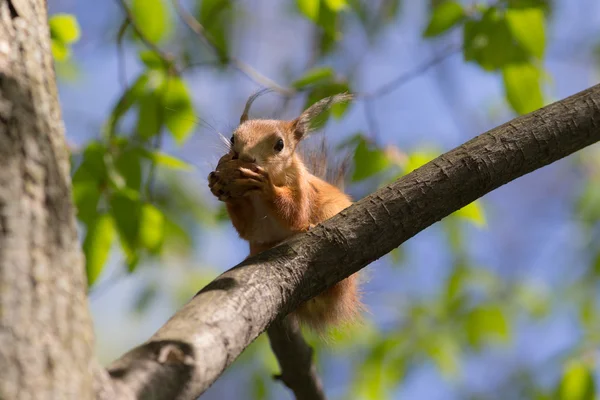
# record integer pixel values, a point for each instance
(246, 158)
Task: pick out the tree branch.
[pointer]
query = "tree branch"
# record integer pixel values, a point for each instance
(295, 358)
(200, 341)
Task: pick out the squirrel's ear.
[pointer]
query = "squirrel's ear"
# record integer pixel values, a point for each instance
(302, 124)
(249, 102)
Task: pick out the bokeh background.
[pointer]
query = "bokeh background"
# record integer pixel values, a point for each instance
(498, 301)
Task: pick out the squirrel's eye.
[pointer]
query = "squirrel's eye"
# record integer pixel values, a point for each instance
(232, 140)
(279, 145)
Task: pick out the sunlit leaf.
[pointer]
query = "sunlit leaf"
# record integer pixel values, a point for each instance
(445, 351)
(64, 28)
(180, 117)
(577, 382)
(527, 27)
(419, 158)
(588, 204)
(368, 161)
(522, 85)
(152, 228)
(473, 213)
(310, 8)
(259, 387)
(152, 18)
(486, 324)
(444, 16)
(97, 244)
(313, 77)
(151, 59)
(336, 5)
(60, 51)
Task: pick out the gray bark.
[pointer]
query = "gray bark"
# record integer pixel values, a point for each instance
(199, 342)
(46, 337)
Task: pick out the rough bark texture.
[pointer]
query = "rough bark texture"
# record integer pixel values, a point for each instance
(46, 337)
(196, 345)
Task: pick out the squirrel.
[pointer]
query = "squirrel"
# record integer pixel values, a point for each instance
(271, 195)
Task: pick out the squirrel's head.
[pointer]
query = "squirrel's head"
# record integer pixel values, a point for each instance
(272, 143)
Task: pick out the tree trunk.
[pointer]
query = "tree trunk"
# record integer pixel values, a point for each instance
(46, 337)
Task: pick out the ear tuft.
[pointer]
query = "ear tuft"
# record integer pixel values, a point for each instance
(302, 124)
(249, 102)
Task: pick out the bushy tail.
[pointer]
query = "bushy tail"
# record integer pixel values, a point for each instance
(337, 306)
(321, 163)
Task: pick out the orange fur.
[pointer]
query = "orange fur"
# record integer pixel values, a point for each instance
(280, 198)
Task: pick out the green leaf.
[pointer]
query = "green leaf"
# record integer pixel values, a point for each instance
(151, 59)
(487, 324)
(588, 205)
(126, 101)
(336, 5)
(522, 85)
(93, 166)
(259, 387)
(215, 17)
(167, 160)
(446, 353)
(149, 112)
(473, 213)
(489, 42)
(419, 158)
(309, 8)
(129, 166)
(86, 195)
(368, 161)
(152, 228)
(314, 77)
(60, 51)
(180, 117)
(527, 27)
(96, 246)
(577, 382)
(126, 213)
(64, 28)
(151, 18)
(444, 16)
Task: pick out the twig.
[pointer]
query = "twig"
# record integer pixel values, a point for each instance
(236, 63)
(371, 120)
(166, 58)
(122, 67)
(395, 83)
(295, 356)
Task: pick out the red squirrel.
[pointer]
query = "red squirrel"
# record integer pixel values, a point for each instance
(270, 195)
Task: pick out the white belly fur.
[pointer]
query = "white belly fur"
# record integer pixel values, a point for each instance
(265, 228)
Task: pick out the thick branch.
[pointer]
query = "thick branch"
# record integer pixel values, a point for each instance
(206, 335)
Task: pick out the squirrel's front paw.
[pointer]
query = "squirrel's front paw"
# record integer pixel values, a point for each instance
(216, 186)
(255, 179)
